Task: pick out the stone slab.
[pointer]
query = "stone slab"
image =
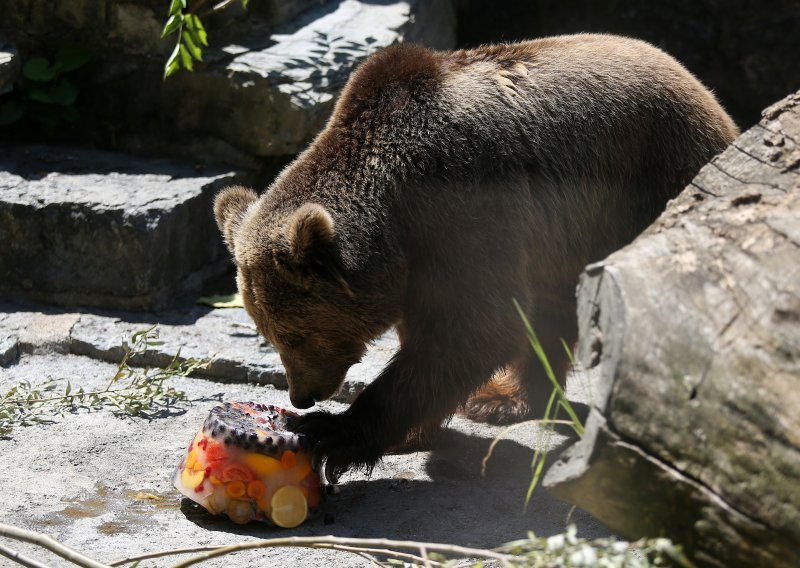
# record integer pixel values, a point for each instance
(93, 228)
(132, 27)
(33, 331)
(47, 333)
(228, 336)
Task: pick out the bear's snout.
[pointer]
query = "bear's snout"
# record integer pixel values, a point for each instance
(312, 379)
(302, 402)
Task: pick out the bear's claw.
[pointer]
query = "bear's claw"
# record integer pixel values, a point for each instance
(338, 441)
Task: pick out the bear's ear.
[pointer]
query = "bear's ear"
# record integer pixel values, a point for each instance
(230, 206)
(309, 236)
(309, 247)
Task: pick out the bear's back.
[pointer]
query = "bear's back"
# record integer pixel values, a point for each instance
(589, 98)
(570, 106)
(600, 130)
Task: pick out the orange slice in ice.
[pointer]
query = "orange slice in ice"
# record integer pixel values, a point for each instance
(235, 488)
(262, 465)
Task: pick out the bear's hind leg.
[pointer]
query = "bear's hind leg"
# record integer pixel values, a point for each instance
(521, 390)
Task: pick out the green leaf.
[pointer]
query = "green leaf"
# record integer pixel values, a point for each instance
(68, 389)
(172, 24)
(196, 52)
(245, 3)
(176, 7)
(71, 58)
(38, 93)
(173, 63)
(38, 69)
(186, 59)
(222, 301)
(11, 111)
(197, 30)
(63, 93)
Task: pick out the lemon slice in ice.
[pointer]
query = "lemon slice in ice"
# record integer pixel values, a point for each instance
(289, 507)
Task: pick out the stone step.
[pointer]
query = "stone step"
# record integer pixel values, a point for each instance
(228, 335)
(91, 228)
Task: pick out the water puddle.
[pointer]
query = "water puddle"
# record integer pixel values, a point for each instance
(131, 509)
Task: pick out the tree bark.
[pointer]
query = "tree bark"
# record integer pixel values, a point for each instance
(695, 328)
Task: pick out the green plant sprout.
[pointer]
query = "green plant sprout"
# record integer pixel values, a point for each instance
(131, 391)
(557, 401)
(46, 94)
(192, 36)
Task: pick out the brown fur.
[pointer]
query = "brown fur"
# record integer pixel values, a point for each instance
(444, 186)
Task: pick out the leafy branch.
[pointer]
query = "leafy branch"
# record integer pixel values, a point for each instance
(192, 37)
(45, 92)
(131, 391)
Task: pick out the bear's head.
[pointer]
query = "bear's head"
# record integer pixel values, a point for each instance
(290, 277)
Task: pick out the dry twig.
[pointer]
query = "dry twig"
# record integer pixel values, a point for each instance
(50, 544)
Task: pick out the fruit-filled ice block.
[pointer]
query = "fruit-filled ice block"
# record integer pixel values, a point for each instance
(244, 463)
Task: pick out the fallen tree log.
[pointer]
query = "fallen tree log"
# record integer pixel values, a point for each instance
(695, 327)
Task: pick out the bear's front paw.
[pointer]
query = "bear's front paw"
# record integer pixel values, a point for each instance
(339, 441)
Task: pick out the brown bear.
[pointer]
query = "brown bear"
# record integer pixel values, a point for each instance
(444, 186)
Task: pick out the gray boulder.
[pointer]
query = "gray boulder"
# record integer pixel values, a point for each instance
(269, 98)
